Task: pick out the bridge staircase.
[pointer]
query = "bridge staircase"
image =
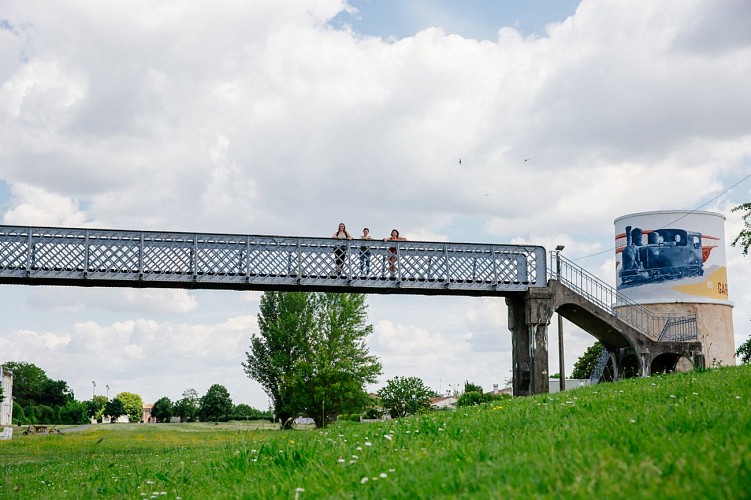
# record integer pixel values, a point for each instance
(624, 327)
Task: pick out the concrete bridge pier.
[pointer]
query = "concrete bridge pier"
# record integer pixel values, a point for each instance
(528, 318)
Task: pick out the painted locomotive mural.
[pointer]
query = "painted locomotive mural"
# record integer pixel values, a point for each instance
(651, 256)
(671, 256)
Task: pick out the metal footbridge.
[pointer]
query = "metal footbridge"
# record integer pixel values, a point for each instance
(157, 259)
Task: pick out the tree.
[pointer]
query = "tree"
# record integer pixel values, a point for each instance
(73, 413)
(114, 409)
(744, 351)
(744, 237)
(96, 407)
(310, 356)
(586, 363)
(284, 320)
(470, 387)
(162, 410)
(132, 404)
(55, 393)
(404, 396)
(216, 403)
(187, 407)
(29, 382)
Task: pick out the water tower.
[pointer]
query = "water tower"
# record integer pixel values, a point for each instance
(673, 262)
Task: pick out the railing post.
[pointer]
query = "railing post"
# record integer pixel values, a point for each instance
(140, 256)
(86, 253)
(29, 254)
(446, 257)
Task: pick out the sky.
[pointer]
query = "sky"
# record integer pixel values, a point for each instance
(290, 117)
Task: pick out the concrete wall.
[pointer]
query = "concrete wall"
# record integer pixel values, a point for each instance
(715, 326)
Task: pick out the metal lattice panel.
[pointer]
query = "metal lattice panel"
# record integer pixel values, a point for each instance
(122, 258)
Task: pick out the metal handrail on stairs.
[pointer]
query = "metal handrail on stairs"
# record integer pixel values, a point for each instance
(663, 327)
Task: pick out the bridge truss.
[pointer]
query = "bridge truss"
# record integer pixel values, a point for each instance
(151, 259)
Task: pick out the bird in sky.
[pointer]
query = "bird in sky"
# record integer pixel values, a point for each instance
(526, 160)
(460, 162)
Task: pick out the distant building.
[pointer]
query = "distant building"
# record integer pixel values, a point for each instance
(6, 408)
(443, 403)
(147, 417)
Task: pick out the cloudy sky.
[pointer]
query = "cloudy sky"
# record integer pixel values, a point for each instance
(288, 117)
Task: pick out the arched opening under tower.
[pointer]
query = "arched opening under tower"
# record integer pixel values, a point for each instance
(664, 363)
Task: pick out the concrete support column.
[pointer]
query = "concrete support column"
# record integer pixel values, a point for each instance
(529, 317)
(520, 347)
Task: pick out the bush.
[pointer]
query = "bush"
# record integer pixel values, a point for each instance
(373, 413)
(349, 417)
(19, 417)
(477, 398)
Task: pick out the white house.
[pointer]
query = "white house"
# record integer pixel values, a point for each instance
(443, 403)
(6, 408)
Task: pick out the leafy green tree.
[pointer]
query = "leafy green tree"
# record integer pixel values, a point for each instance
(29, 382)
(187, 407)
(114, 409)
(310, 356)
(216, 403)
(744, 237)
(744, 351)
(95, 407)
(55, 393)
(285, 320)
(470, 387)
(405, 396)
(162, 410)
(73, 413)
(132, 404)
(586, 363)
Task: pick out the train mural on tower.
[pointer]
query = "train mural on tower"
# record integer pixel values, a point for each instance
(667, 254)
(671, 256)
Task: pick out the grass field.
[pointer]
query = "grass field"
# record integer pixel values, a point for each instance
(679, 436)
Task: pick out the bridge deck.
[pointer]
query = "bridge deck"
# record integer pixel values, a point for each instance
(150, 259)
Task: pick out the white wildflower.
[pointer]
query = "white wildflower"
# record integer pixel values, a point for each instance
(383, 475)
(364, 480)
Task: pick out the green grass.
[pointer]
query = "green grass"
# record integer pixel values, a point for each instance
(684, 435)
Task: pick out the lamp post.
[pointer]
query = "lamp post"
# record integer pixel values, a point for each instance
(561, 367)
(93, 389)
(108, 391)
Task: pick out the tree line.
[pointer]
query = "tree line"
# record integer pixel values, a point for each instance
(38, 399)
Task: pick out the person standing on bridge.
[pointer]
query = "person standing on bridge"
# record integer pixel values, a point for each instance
(365, 254)
(392, 251)
(340, 251)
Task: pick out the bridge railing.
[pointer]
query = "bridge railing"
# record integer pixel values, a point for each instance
(104, 254)
(663, 327)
